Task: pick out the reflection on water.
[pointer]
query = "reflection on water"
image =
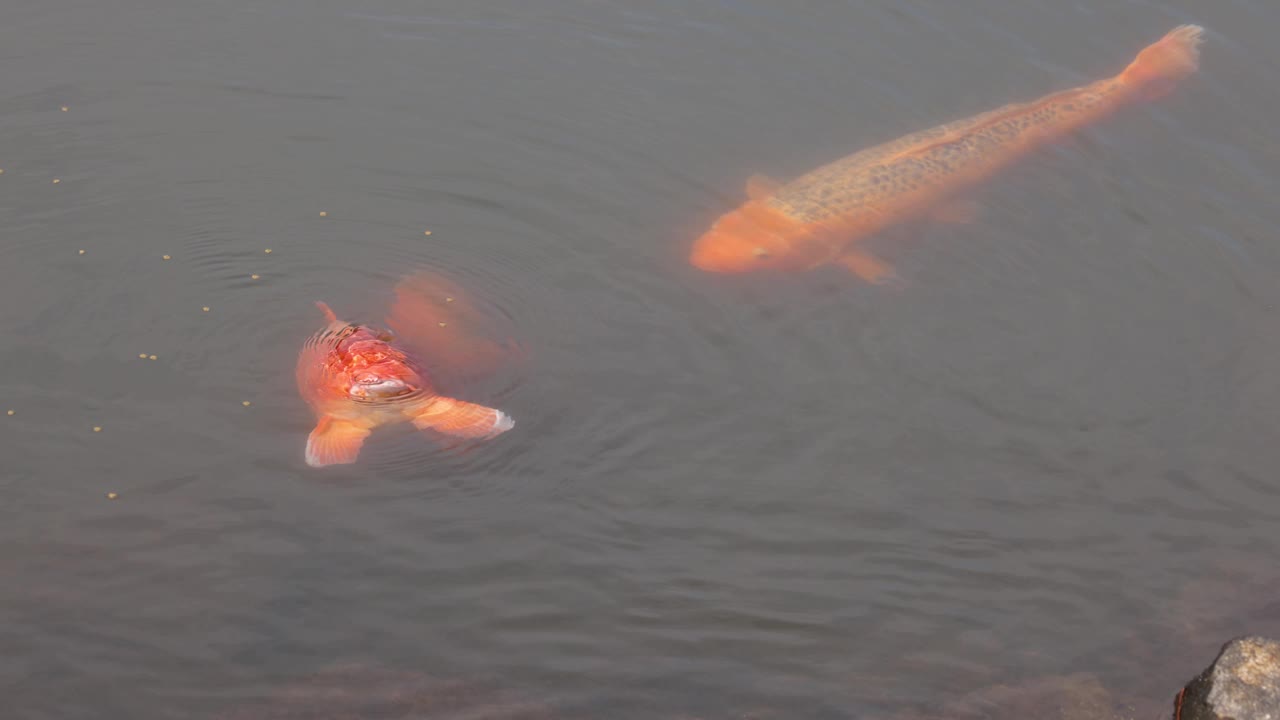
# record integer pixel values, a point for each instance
(353, 690)
(798, 495)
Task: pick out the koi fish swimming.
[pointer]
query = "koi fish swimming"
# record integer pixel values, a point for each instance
(819, 218)
(357, 377)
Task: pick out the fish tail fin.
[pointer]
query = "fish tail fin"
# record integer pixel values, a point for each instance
(459, 418)
(1162, 64)
(328, 314)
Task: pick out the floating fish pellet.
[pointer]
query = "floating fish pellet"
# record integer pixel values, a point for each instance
(448, 299)
(56, 181)
(442, 324)
(324, 214)
(142, 356)
(166, 257)
(1, 171)
(112, 496)
(254, 277)
(426, 232)
(63, 108)
(81, 252)
(267, 251)
(9, 413)
(97, 428)
(205, 308)
(246, 403)
(151, 357)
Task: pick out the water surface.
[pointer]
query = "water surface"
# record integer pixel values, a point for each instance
(722, 494)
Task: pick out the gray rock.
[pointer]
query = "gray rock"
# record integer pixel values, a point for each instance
(1243, 683)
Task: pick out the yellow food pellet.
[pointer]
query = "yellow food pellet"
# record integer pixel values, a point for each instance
(81, 252)
(1, 171)
(151, 357)
(448, 299)
(442, 324)
(112, 496)
(142, 355)
(324, 214)
(205, 308)
(267, 251)
(166, 257)
(56, 181)
(10, 412)
(254, 277)
(246, 403)
(97, 428)
(63, 108)
(426, 232)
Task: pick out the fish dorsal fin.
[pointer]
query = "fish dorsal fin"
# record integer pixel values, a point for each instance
(761, 187)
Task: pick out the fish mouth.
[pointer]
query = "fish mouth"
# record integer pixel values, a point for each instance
(373, 389)
(710, 255)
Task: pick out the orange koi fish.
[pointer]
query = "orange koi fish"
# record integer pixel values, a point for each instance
(819, 217)
(356, 378)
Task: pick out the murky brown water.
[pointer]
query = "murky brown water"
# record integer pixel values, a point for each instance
(721, 494)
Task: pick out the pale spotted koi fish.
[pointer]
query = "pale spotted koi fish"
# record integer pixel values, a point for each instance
(819, 218)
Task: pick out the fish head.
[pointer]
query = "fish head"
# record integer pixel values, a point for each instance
(751, 238)
(375, 370)
(349, 362)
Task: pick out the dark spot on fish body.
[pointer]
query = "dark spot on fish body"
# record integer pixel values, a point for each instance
(814, 214)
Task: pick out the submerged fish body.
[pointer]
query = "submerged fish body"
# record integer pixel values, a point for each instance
(817, 218)
(356, 378)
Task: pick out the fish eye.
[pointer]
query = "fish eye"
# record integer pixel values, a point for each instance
(760, 253)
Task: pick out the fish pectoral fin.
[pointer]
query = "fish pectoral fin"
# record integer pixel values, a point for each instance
(868, 268)
(459, 418)
(334, 442)
(960, 212)
(761, 187)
